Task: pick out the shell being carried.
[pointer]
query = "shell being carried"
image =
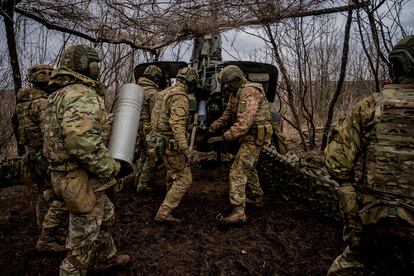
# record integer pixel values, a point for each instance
(125, 126)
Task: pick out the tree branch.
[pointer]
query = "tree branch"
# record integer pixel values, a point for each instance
(51, 26)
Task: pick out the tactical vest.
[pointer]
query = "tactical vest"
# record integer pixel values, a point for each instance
(390, 154)
(54, 144)
(30, 103)
(263, 115)
(161, 113)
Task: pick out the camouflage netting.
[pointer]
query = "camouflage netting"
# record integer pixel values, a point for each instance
(284, 176)
(151, 25)
(290, 177)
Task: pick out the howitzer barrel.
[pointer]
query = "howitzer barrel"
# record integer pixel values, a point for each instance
(125, 126)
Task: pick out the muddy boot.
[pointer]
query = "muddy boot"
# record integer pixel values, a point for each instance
(116, 261)
(47, 242)
(167, 220)
(164, 216)
(256, 202)
(238, 216)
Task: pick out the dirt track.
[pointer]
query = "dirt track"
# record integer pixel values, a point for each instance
(280, 239)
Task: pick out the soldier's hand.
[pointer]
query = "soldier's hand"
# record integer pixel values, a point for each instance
(124, 169)
(215, 139)
(189, 155)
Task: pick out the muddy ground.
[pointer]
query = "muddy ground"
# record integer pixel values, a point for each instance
(282, 238)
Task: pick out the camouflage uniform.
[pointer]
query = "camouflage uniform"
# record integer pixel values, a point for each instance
(31, 103)
(148, 164)
(383, 199)
(75, 137)
(250, 109)
(169, 120)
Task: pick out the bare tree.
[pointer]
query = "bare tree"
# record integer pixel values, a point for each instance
(344, 62)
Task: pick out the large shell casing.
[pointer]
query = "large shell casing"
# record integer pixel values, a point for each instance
(125, 127)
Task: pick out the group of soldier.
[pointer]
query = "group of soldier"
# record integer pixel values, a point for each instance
(65, 127)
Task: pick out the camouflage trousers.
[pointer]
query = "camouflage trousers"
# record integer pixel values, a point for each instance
(243, 173)
(146, 167)
(178, 181)
(357, 237)
(89, 239)
(37, 167)
(50, 211)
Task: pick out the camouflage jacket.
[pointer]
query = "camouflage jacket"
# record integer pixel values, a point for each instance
(250, 109)
(150, 90)
(76, 127)
(353, 137)
(31, 102)
(170, 114)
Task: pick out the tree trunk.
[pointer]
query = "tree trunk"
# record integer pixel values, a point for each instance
(14, 62)
(288, 87)
(344, 62)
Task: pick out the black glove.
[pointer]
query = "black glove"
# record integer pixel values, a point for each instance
(215, 139)
(125, 169)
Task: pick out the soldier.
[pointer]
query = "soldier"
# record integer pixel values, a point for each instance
(249, 110)
(150, 80)
(82, 168)
(378, 129)
(169, 136)
(31, 103)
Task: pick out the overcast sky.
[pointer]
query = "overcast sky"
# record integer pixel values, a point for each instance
(246, 45)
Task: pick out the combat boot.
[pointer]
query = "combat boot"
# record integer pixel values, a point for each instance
(116, 261)
(168, 219)
(164, 216)
(257, 201)
(47, 242)
(238, 216)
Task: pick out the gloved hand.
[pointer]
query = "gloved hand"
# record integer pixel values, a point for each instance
(348, 198)
(189, 156)
(124, 169)
(215, 139)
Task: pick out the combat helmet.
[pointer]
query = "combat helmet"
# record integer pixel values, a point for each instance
(230, 73)
(82, 59)
(402, 57)
(153, 72)
(190, 76)
(39, 74)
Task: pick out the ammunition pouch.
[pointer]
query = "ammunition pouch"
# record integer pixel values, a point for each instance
(263, 134)
(77, 192)
(156, 146)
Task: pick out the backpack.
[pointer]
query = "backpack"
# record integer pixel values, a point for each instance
(390, 155)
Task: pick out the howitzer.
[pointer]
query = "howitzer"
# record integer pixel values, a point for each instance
(210, 100)
(286, 176)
